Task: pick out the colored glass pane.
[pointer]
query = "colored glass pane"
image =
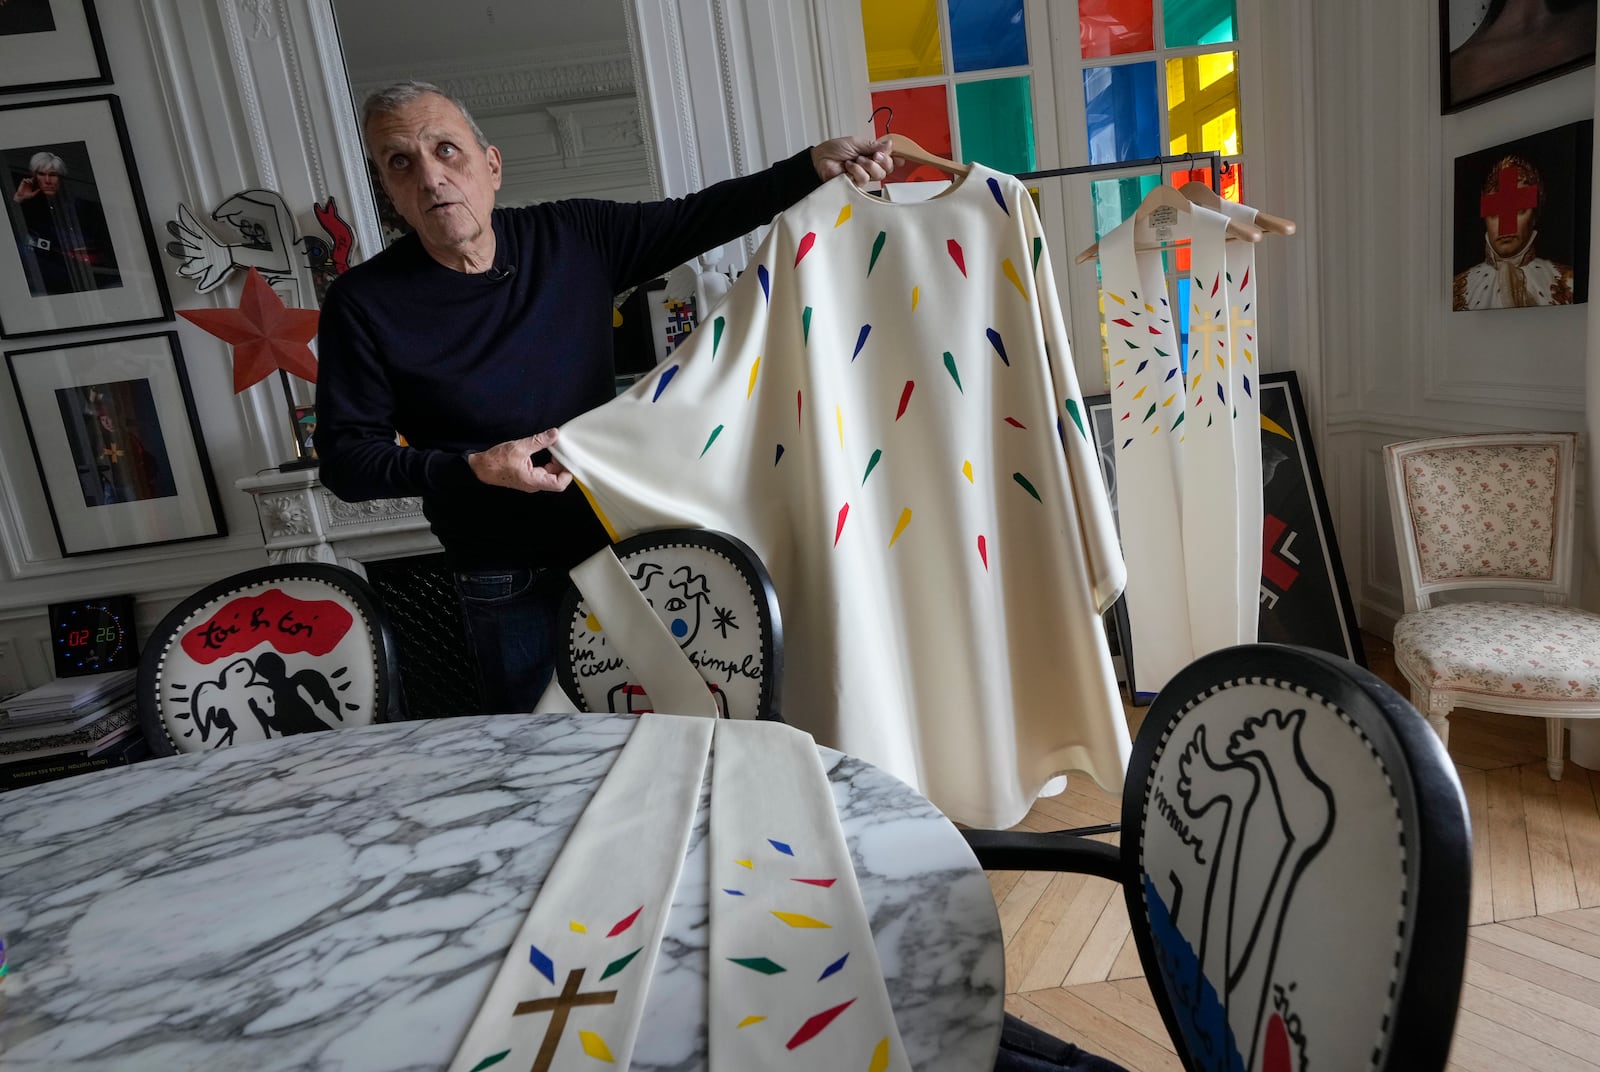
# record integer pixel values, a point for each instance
(1197, 22)
(996, 118)
(1115, 27)
(1203, 103)
(902, 39)
(1232, 190)
(1121, 109)
(1116, 199)
(922, 114)
(985, 34)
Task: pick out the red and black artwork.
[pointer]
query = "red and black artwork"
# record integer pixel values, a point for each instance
(255, 649)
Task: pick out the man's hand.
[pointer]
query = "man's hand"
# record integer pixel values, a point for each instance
(26, 189)
(510, 465)
(863, 160)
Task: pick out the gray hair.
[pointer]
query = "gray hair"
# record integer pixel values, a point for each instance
(47, 162)
(394, 97)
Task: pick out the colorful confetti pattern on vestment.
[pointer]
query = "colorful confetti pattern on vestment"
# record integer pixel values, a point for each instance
(782, 855)
(1144, 331)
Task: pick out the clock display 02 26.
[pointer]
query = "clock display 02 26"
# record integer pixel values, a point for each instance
(93, 636)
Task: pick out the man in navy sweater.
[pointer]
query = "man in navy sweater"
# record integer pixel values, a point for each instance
(485, 327)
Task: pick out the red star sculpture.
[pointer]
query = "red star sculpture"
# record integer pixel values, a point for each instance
(265, 334)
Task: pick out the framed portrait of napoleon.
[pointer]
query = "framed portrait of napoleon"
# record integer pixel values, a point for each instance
(76, 251)
(1488, 48)
(1522, 222)
(50, 44)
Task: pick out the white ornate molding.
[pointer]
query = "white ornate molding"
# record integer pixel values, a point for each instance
(303, 521)
(523, 80)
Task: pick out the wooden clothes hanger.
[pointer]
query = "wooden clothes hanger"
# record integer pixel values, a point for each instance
(1201, 194)
(908, 150)
(1164, 196)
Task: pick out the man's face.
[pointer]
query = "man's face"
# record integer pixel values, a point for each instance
(49, 182)
(1511, 241)
(431, 167)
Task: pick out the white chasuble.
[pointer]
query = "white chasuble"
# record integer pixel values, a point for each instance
(884, 407)
(1187, 440)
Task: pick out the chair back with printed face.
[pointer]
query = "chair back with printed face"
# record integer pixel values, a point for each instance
(1297, 860)
(267, 653)
(1484, 511)
(714, 597)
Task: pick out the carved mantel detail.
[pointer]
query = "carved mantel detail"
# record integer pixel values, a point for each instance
(303, 521)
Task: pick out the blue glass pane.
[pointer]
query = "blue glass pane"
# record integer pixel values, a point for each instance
(996, 117)
(985, 34)
(1183, 321)
(1123, 114)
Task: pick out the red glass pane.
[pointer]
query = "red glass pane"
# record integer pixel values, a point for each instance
(1115, 27)
(1232, 190)
(922, 114)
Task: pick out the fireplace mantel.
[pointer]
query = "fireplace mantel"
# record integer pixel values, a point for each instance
(305, 522)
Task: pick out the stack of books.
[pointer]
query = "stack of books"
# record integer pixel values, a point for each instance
(70, 726)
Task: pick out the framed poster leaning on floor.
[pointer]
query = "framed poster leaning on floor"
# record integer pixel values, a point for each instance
(1304, 596)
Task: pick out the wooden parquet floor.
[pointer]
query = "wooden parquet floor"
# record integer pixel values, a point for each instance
(1531, 999)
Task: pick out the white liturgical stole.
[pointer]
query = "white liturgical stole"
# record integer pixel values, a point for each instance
(1187, 438)
(795, 980)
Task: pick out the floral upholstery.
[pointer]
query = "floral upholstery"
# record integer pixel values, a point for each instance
(1458, 536)
(1532, 651)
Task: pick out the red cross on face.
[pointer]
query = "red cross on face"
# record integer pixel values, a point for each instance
(1507, 200)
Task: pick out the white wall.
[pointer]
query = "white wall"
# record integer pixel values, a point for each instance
(1398, 363)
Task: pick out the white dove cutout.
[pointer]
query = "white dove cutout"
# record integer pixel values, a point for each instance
(265, 225)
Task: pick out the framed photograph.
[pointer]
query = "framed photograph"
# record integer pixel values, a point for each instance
(50, 44)
(1522, 222)
(114, 434)
(1304, 596)
(79, 252)
(304, 420)
(1488, 48)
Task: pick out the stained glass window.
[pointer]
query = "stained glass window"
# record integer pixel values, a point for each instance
(1115, 27)
(985, 34)
(1197, 22)
(923, 114)
(996, 119)
(1116, 199)
(1122, 112)
(902, 39)
(1203, 103)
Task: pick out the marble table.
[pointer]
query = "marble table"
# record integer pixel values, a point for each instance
(341, 902)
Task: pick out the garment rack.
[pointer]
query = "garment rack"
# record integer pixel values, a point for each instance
(1192, 159)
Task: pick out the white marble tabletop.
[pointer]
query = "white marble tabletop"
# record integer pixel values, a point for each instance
(341, 902)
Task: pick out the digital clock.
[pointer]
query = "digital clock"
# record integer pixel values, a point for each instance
(93, 636)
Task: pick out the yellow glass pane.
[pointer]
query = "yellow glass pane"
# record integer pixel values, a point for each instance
(902, 39)
(1203, 103)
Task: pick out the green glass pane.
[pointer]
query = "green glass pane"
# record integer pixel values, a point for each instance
(1198, 22)
(1203, 104)
(996, 121)
(902, 39)
(1116, 199)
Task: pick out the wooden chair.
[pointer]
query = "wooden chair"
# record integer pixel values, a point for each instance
(1295, 860)
(715, 600)
(1492, 513)
(267, 653)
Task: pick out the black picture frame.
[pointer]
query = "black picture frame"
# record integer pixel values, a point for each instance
(51, 44)
(1477, 63)
(1305, 598)
(83, 256)
(116, 441)
(1547, 176)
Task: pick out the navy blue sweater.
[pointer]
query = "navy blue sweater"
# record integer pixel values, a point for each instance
(457, 363)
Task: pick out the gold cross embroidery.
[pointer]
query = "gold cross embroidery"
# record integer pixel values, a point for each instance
(114, 453)
(559, 1007)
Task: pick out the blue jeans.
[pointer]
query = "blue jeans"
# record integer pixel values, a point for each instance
(510, 618)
